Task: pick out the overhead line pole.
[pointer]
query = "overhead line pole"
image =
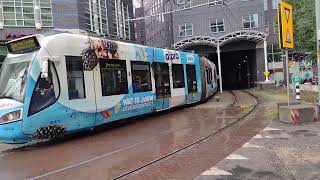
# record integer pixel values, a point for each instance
(318, 44)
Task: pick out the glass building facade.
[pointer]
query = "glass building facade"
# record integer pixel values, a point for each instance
(108, 18)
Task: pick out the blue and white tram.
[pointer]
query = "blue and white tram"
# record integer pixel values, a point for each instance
(63, 83)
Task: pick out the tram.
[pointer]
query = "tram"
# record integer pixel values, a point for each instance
(63, 83)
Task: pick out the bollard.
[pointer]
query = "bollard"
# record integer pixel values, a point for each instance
(298, 97)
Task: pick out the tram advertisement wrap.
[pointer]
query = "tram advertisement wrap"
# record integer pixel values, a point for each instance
(131, 105)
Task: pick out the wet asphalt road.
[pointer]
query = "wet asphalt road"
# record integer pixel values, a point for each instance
(113, 152)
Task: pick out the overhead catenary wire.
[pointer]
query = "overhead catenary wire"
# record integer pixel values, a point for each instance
(184, 9)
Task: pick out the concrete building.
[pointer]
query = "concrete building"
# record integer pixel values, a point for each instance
(158, 29)
(101, 17)
(233, 34)
(140, 34)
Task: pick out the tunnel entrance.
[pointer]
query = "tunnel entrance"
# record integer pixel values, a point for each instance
(243, 55)
(238, 68)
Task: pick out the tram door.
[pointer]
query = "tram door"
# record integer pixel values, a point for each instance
(192, 83)
(162, 82)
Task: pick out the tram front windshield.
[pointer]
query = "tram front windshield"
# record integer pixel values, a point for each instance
(13, 76)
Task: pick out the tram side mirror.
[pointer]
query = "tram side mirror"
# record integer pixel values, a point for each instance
(45, 64)
(44, 68)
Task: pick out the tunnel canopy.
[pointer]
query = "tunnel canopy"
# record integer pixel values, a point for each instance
(249, 35)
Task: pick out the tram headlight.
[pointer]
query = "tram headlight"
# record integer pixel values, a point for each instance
(11, 116)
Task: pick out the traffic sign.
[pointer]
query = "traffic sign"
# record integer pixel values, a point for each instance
(307, 75)
(296, 79)
(290, 63)
(285, 22)
(266, 74)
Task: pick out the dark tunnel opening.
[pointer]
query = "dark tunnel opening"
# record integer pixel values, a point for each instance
(238, 68)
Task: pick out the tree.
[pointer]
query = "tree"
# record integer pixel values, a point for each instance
(304, 25)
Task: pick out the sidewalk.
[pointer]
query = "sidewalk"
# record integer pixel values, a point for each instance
(280, 151)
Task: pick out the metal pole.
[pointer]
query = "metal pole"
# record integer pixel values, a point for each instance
(266, 59)
(219, 66)
(273, 66)
(318, 43)
(288, 82)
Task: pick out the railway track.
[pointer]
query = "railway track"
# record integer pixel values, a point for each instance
(195, 143)
(39, 143)
(235, 101)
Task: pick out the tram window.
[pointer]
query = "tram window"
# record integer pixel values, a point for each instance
(178, 76)
(75, 76)
(162, 80)
(192, 78)
(46, 92)
(113, 77)
(141, 77)
(208, 76)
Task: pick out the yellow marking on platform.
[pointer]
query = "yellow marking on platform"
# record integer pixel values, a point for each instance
(208, 106)
(245, 106)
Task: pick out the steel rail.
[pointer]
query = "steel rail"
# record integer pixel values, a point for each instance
(37, 143)
(238, 120)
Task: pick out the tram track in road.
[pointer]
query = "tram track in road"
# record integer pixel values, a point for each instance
(235, 100)
(160, 135)
(41, 143)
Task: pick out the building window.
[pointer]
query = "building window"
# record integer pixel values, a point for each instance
(20, 13)
(217, 25)
(178, 76)
(266, 5)
(182, 4)
(250, 21)
(113, 77)
(122, 23)
(275, 4)
(141, 77)
(98, 25)
(275, 27)
(46, 13)
(75, 76)
(186, 30)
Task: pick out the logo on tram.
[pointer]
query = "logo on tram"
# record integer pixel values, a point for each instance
(172, 56)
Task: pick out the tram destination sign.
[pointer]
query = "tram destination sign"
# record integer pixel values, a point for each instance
(23, 45)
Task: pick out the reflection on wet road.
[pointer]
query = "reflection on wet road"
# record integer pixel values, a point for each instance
(118, 150)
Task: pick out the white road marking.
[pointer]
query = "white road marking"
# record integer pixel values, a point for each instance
(214, 171)
(269, 137)
(258, 136)
(272, 129)
(248, 145)
(236, 157)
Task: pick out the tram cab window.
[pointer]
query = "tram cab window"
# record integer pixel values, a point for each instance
(46, 92)
(178, 76)
(75, 76)
(192, 78)
(113, 77)
(141, 77)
